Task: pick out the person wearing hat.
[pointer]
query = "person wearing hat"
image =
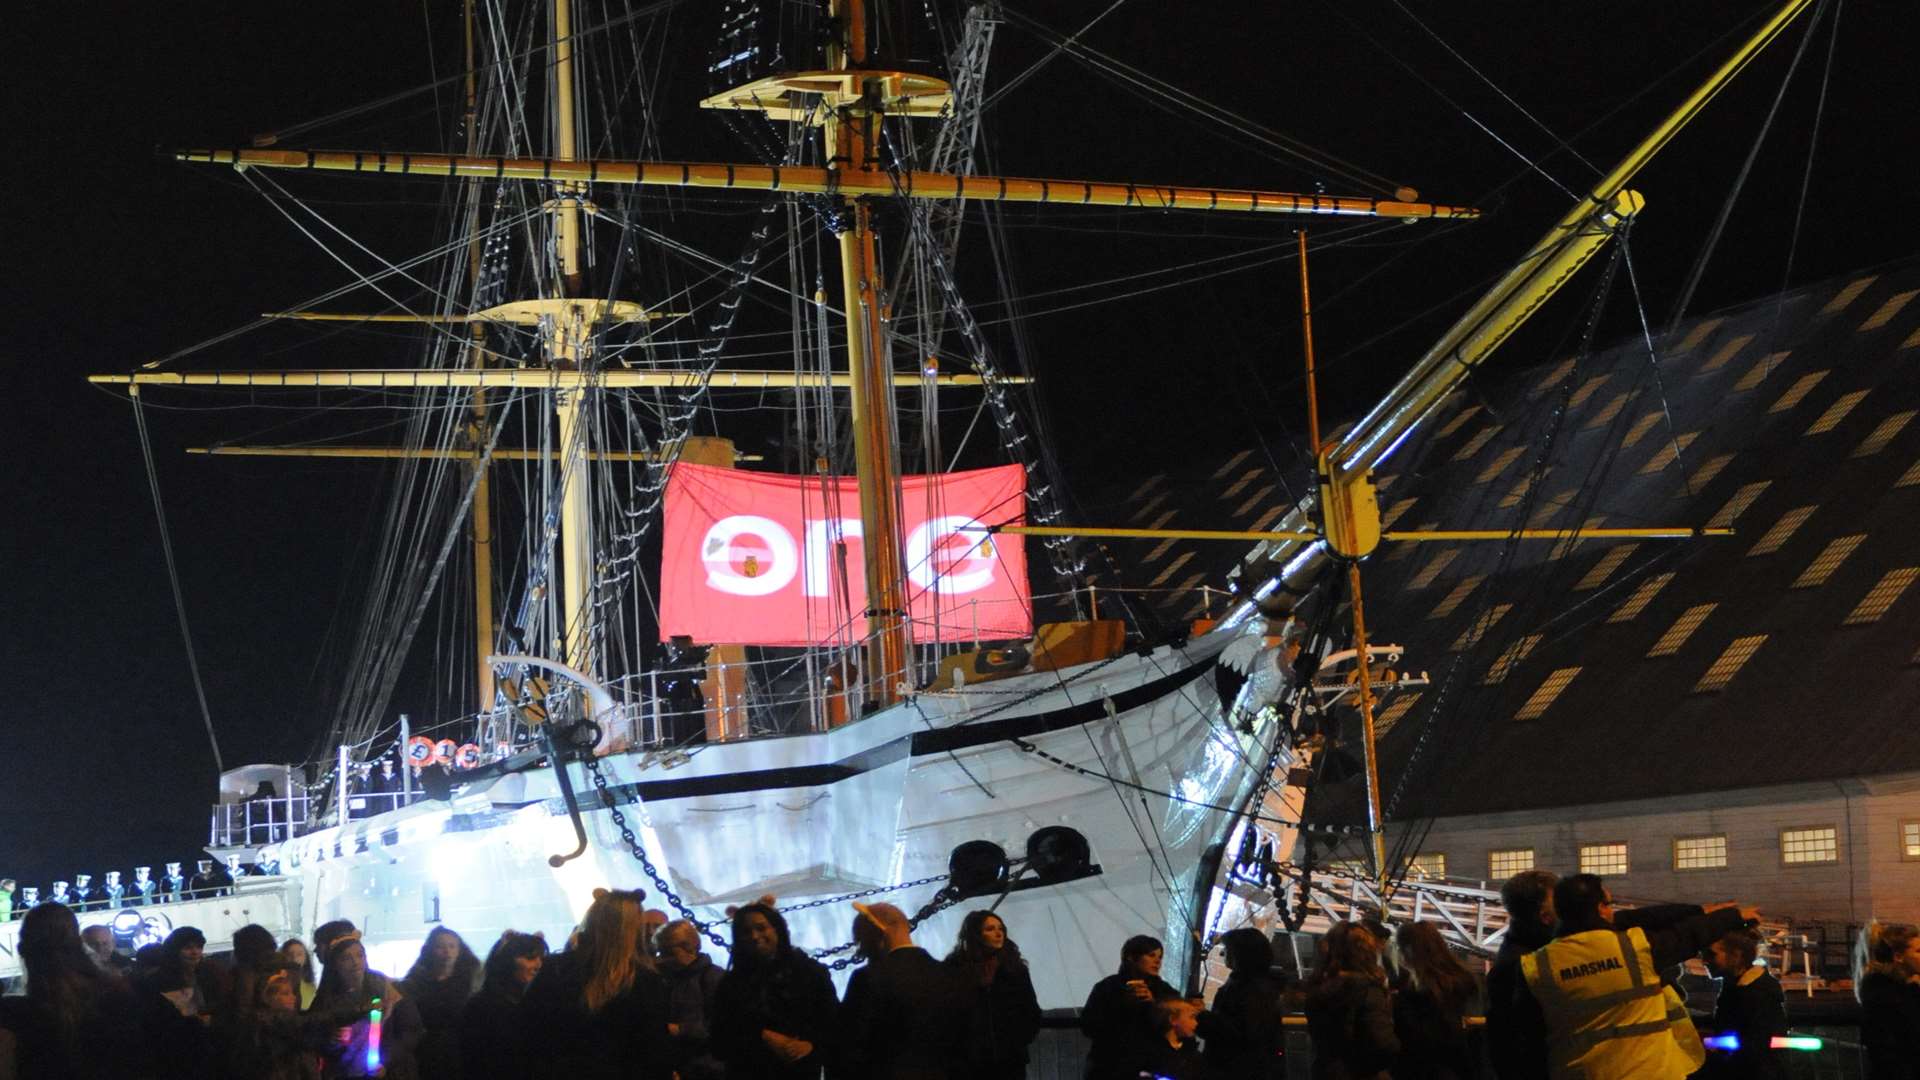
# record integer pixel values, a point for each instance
(902, 1027)
(349, 994)
(173, 884)
(113, 893)
(145, 890)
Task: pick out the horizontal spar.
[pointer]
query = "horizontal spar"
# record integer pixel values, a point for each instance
(847, 182)
(453, 454)
(521, 379)
(1650, 533)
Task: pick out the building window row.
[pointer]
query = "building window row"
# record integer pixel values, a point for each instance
(1800, 846)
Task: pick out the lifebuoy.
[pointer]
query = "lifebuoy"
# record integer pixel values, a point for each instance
(444, 751)
(467, 757)
(420, 751)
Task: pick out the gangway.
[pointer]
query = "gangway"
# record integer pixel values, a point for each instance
(272, 902)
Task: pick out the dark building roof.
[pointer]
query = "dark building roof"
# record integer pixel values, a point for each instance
(1606, 670)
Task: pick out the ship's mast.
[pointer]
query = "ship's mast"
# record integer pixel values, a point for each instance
(481, 516)
(568, 332)
(850, 139)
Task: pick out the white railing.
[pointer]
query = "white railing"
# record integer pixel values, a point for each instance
(257, 822)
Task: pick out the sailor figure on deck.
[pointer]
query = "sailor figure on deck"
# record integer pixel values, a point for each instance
(205, 881)
(234, 870)
(113, 891)
(83, 894)
(29, 897)
(173, 884)
(60, 894)
(144, 887)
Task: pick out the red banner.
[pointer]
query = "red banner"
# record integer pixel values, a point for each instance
(768, 559)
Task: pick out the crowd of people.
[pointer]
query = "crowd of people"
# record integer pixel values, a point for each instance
(1578, 989)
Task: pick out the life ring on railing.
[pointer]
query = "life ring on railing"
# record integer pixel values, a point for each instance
(444, 751)
(421, 752)
(467, 757)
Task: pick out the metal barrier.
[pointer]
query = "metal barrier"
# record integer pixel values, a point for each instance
(256, 822)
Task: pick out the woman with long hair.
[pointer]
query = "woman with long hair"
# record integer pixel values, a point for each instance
(75, 1020)
(1242, 1030)
(1349, 1012)
(295, 952)
(492, 1030)
(442, 978)
(1886, 980)
(272, 1040)
(350, 995)
(1005, 1013)
(1118, 1015)
(599, 1009)
(1435, 993)
(774, 1009)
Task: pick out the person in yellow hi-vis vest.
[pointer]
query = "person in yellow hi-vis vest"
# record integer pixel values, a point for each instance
(1596, 990)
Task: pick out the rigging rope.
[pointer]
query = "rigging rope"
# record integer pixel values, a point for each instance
(173, 574)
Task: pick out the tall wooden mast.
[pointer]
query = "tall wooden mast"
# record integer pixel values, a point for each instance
(850, 138)
(480, 518)
(569, 336)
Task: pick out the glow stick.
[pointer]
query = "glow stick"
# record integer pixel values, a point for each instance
(1731, 1041)
(373, 1038)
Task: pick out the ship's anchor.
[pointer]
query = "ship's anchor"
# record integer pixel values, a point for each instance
(588, 729)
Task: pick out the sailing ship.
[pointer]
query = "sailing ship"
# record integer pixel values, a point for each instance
(1093, 778)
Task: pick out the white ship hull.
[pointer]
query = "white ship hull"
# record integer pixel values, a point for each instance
(874, 803)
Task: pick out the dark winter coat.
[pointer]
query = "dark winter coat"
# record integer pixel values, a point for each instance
(691, 995)
(442, 1003)
(1433, 1038)
(1120, 1026)
(399, 1030)
(1350, 1017)
(1242, 1030)
(625, 1040)
(792, 995)
(1003, 1018)
(1890, 1026)
(1756, 1012)
(493, 1037)
(903, 1024)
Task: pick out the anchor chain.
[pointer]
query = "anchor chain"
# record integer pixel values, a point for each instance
(941, 900)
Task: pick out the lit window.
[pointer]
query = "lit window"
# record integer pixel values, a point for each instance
(1385, 481)
(1404, 548)
(1542, 698)
(1460, 592)
(1459, 420)
(1150, 506)
(1829, 560)
(1698, 334)
(1253, 500)
(1836, 412)
(1640, 428)
(1605, 416)
(1550, 508)
(1586, 390)
(1432, 570)
(1172, 568)
(1499, 464)
(1553, 378)
(1849, 294)
(1704, 474)
(1428, 864)
(1160, 550)
(1393, 512)
(1273, 514)
(1510, 658)
(1888, 310)
(1878, 439)
(1384, 720)
(1910, 839)
(1724, 353)
(1758, 373)
(1502, 865)
(1910, 477)
(1729, 664)
(1603, 859)
(1882, 596)
(1474, 444)
(1800, 389)
(1782, 529)
(1682, 629)
(1700, 853)
(1745, 497)
(1668, 453)
(1471, 635)
(1641, 597)
(1814, 844)
(1913, 339)
(1604, 569)
(1240, 485)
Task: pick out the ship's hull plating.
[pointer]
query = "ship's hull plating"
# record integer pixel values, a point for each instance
(877, 802)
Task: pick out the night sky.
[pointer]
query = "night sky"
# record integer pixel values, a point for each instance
(116, 257)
